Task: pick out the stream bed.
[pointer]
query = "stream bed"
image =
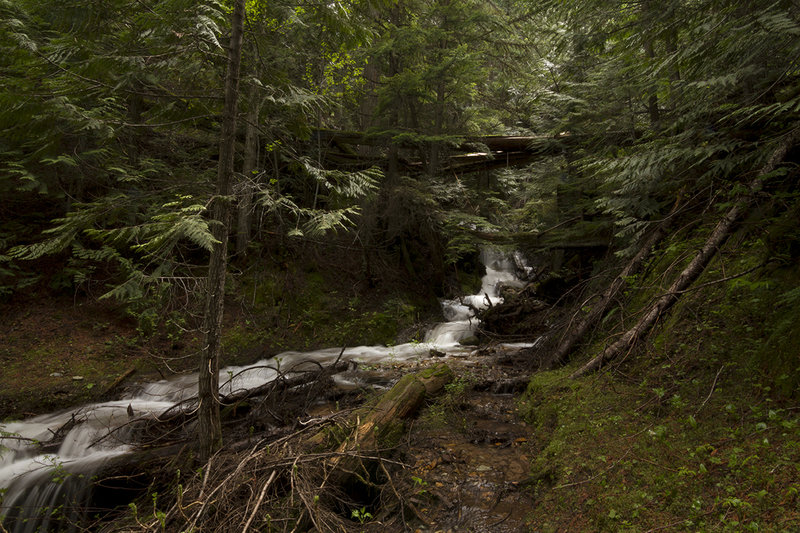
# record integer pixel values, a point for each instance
(44, 488)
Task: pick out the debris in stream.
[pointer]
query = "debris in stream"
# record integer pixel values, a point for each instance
(314, 477)
(520, 316)
(272, 409)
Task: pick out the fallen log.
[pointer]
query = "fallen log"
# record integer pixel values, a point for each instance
(381, 427)
(576, 332)
(696, 267)
(112, 389)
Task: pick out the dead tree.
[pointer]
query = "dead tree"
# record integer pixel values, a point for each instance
(576, 332)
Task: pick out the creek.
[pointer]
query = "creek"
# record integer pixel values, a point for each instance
(47, 487)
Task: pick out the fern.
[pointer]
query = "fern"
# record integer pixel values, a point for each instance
(319, 223)
(343, 185)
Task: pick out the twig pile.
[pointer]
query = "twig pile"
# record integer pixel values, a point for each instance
(335, 474)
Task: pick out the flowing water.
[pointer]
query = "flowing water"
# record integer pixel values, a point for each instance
(47, 489)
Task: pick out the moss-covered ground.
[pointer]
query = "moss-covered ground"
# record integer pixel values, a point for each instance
(698, 428)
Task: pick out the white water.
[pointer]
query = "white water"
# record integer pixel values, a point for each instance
(33, 480)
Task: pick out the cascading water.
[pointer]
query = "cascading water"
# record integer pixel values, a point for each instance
(501, 270)
(48, 490)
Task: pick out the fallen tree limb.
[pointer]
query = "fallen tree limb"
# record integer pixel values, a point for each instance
(266, 389)
(575, 333)
(695, 267)
(117, 382)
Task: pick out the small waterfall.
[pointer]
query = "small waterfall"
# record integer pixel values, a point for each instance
(50, 491)
(460, 314)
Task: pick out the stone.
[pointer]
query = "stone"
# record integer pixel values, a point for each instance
(472, 340)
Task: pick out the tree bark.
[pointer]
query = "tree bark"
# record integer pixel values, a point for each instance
(438, 127)
(245, 200)
(652, 98)
(695, 267)
(209, 438)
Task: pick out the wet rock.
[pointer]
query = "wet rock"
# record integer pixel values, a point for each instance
(469, 341)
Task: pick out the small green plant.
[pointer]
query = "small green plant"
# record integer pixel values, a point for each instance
(448, 403)
(419, 485)
(159, 515)
(362, 515)
(59, 474)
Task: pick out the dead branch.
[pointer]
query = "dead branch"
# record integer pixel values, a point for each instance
(305, 479)
(283, 383)
(574, 334)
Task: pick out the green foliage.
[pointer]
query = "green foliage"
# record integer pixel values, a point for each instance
(362, 515)
(334, 189)
(445, 410)
(699, 431)
(669, 103)
(433, 59)
(653, 462)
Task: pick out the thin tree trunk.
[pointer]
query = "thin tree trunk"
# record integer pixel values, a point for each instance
(577, 332)
(438, 127)
(209, 429)
(245, 203)
(652, 98)
(695, 267)
(648, 14)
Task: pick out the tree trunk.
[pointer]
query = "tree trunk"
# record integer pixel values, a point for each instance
(648, 14)
(438, 127)
(652, 98)
(695, 267)
(209, 429)
(245, 201)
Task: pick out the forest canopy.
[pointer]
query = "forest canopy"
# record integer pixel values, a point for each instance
(374, 117)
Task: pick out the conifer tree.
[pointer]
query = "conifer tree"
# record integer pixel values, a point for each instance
(209, 427)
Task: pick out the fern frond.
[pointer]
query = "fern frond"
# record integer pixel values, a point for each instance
(321, 222)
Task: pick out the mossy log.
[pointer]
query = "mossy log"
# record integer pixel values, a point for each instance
(381, 426)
